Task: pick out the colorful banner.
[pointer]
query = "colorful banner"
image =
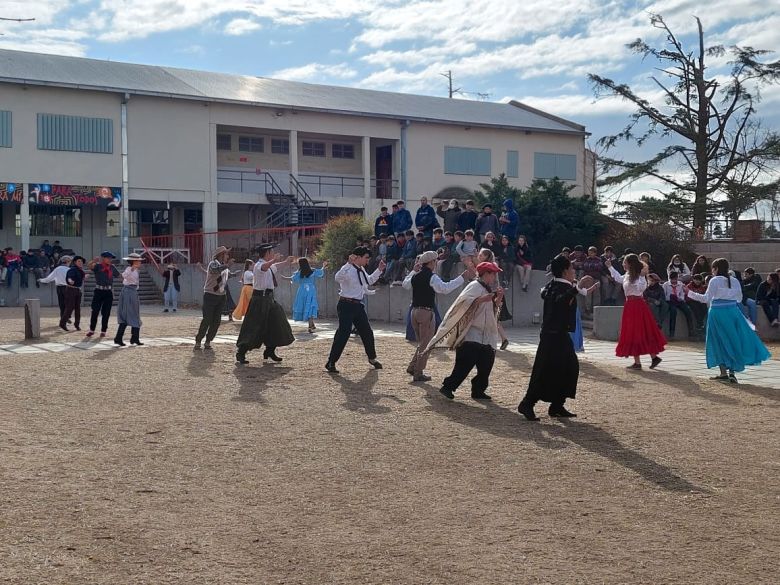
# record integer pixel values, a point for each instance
(11, 193)
(75, 195)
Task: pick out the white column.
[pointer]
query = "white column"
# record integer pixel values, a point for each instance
(366, 169)
(293, 139)
(24, 218)
(210, 205)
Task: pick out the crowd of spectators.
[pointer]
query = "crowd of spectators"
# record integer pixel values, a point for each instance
(38, 262)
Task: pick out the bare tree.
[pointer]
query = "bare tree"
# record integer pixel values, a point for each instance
(709, 121)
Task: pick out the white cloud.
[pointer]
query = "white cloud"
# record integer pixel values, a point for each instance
(316, 72)
(241, 26)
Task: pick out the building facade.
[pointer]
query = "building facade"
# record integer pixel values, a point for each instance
(99, 155)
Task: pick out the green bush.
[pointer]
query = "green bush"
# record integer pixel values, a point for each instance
(340, 237)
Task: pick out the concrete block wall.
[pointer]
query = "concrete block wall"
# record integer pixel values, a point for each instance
(763, 256)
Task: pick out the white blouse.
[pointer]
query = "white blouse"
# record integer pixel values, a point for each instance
(631, 289)
(249, 277)
(718, 289)
(130, 277)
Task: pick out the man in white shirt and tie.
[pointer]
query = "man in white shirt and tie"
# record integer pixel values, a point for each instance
(675, 296)
(354, 282)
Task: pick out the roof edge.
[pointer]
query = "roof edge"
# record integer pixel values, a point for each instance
(544, 114)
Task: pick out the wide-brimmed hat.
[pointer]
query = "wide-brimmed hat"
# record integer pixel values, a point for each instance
(107, 254)
(134, 257)
(75, 258)
(428, 256)
(654, 276)
(64, 259)
(263, 248)
(484, 267)
(220, 250)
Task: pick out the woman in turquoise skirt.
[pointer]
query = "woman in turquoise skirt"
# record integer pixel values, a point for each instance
(305, 307)
(731, 342)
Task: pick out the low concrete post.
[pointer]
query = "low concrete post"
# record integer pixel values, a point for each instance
(32, 319)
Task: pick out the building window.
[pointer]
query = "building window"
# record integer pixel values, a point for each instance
(75, 133)
(512, 164)
(55, 220)
(343, 151)
(280, 146)
(313, 149)
(112, 223)
(250, 144)
(551, 166)
(5, 129)
(224, 142)
(148, 222)
(466, 161)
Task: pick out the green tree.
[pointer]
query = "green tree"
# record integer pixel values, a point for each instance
(705, 123)
(340, 237)
(549, 217)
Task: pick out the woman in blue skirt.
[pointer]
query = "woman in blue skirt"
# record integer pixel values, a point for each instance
(732, 342)
(306, 307)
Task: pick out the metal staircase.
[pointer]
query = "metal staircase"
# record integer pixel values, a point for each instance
(293, 209)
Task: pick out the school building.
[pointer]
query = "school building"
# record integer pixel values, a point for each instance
(99, 154)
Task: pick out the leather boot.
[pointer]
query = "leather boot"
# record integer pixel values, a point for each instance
(120, 333)
(134, 334)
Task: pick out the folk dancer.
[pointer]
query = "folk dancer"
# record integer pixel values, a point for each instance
(265, 322)
(556, 368)
(213, 297)
(354, 283)
(59, 277)
(470, 327)
(103, 295)
(74, 279)
(247, 278)
(128, 311)
(731, 341)
(424, 284)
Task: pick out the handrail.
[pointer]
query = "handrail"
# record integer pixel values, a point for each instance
(148, 254)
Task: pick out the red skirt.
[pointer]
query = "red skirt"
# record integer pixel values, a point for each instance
(639, 332)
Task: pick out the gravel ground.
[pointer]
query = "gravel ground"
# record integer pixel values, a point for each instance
(168, 465)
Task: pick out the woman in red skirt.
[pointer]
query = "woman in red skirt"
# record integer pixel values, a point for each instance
(639, 332)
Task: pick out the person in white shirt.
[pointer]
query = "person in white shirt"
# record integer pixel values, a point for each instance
(265, 322)
(470, 327)
(731, 342)
(425, 284)
(675, 294)
(639, 332)
(59, 277)
(354, 283)
(681, 268)
(128, 310)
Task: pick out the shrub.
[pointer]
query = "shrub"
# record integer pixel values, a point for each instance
(661, 241)
(340, 237)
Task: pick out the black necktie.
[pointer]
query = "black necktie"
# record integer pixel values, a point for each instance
(361, 275)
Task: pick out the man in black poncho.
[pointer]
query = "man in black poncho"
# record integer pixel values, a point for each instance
(556, 368)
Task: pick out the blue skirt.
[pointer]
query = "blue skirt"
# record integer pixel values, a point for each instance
(576, 335)
(730, 340)
(129, 307)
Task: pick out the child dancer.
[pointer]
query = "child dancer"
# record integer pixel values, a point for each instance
(247, 278)
(731, 343)
(639, 333)
(306, 307)
(129, 307)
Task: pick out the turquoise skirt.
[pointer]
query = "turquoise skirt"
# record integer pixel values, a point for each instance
(731, 342)
(576, 335)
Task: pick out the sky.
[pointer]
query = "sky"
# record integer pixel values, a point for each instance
(535, 51)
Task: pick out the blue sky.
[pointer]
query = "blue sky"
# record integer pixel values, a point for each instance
(536, 51)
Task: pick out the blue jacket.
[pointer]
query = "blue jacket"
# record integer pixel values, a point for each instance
(510, 229)
(393, 252)
(402, 221)
(383, 225)
(410, 249)
(425, 220)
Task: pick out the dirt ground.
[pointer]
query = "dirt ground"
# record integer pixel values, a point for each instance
(168, 465)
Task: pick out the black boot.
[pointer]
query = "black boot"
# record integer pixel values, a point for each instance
(120, 333)
(557, 410)
(135, 332)
(527, 410)
(270, 353)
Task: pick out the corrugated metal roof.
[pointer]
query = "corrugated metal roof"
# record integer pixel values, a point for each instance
(36, 68)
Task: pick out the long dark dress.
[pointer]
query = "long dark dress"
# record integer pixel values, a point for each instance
(556, 368)
(266, 323)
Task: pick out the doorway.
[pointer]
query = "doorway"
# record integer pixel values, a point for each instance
(384, 172)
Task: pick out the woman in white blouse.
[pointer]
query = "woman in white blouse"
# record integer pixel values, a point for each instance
(681, 268)
(129, 306)
(639, 332)
(731, 343)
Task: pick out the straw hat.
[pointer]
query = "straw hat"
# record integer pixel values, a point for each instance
(134, 257)
(428, 256)
(220, 250)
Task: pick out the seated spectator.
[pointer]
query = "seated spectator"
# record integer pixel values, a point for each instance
(491, 243)
(29, 266)
(13, 263)
(698, 309)
(467, 249)
(609, 288)
(419, 242)
(577, 257)
(57, 249)
(681, 268)
(592, 266)
(409, 254)
(648, 260)
(392, 258)
(768, 298)
(656, 299)
(675, 296)
(701, 266)
(750, 283)
(438, 239)
(523, 262)
(373, 250)
(46, 248)
(448, 258)
(42, 268)
(506, 259)
(3, 265)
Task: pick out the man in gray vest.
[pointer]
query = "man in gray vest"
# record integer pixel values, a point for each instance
(424, 284)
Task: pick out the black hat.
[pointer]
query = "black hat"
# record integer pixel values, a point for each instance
(263, 248)
(75, 258)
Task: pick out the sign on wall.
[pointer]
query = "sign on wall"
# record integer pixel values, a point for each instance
(11, 193)
(75, 195)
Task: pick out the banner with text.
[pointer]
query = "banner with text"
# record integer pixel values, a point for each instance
(75, 195)
(11, 193)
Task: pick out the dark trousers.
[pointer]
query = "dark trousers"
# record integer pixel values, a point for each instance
(685, 310)
(135, 333)
(61, 299)
(212, 317)
(468, 356)
(72, 306)
(770, 307)
(101, 305)
(352, 314)
(699, 311)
